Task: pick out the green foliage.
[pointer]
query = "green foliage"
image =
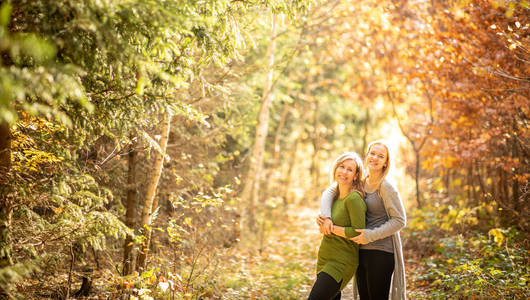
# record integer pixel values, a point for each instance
(16, 273)
(462, 263)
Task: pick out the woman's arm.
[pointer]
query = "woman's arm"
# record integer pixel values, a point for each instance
(326, 200)
(396, 216)
(356, 209)
(340, 231)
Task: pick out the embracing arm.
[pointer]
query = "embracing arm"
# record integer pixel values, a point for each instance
(356, 209)
(395, 211)
(326, 200)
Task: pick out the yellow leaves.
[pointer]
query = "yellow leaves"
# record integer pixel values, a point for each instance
(496, 3)
(498, 236)
(57, 210)
(33, 159)
(449, 161)
(510, 10)
(522, 178)
(27, 155)
(187, 221)
(208, 177)
(152, 278)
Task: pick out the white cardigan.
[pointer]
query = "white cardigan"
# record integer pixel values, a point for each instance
(396, 220)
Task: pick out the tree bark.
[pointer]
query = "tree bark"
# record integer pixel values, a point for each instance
(5, 150)
(150, 201)
(6, 202)
(130, 205)
(251, 188)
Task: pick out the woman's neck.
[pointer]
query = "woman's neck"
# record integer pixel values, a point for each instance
(344, 190)
(374, 176)
(373, 180)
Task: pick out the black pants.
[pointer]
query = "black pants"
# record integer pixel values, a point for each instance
(325, 288)
(374, 274)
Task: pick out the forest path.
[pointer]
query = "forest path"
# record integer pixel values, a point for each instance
(285, 268)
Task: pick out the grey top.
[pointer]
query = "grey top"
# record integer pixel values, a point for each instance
(396, 220)
(375, 217)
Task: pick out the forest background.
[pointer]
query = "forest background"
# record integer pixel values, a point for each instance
(177, 149)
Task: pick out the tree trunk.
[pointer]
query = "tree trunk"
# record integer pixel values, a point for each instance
(289, 179)
(272, 173)
(6, 202)
(315, 170)
(276, 150)
(446, 181)
(365, 130)
(130, 205)
(417, 178)
(515, 184)
(251, 189)
(470, 187)
(480, 177)
(150, 201)
(293, 157)
(5, 150)
(493, 185)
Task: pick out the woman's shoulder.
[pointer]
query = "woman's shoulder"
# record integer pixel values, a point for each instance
(354, 195)
(356, 201)
(388, 187)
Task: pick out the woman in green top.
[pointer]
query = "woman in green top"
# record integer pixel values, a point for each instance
(338, 256)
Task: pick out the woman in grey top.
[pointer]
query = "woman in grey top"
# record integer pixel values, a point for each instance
(381, 271)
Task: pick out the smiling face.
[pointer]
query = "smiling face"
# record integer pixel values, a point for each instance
(377, 158)
(346, 172)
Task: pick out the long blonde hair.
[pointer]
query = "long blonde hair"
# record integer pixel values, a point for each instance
(358, 182)
(388, 161)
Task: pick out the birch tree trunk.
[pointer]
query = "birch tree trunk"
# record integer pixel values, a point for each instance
(130, 205)
(150, 201)
(250, 191)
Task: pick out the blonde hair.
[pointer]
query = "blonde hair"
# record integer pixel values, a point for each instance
(358, 183)
(388, 161)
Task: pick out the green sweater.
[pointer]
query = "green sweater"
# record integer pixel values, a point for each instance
(338, 256)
